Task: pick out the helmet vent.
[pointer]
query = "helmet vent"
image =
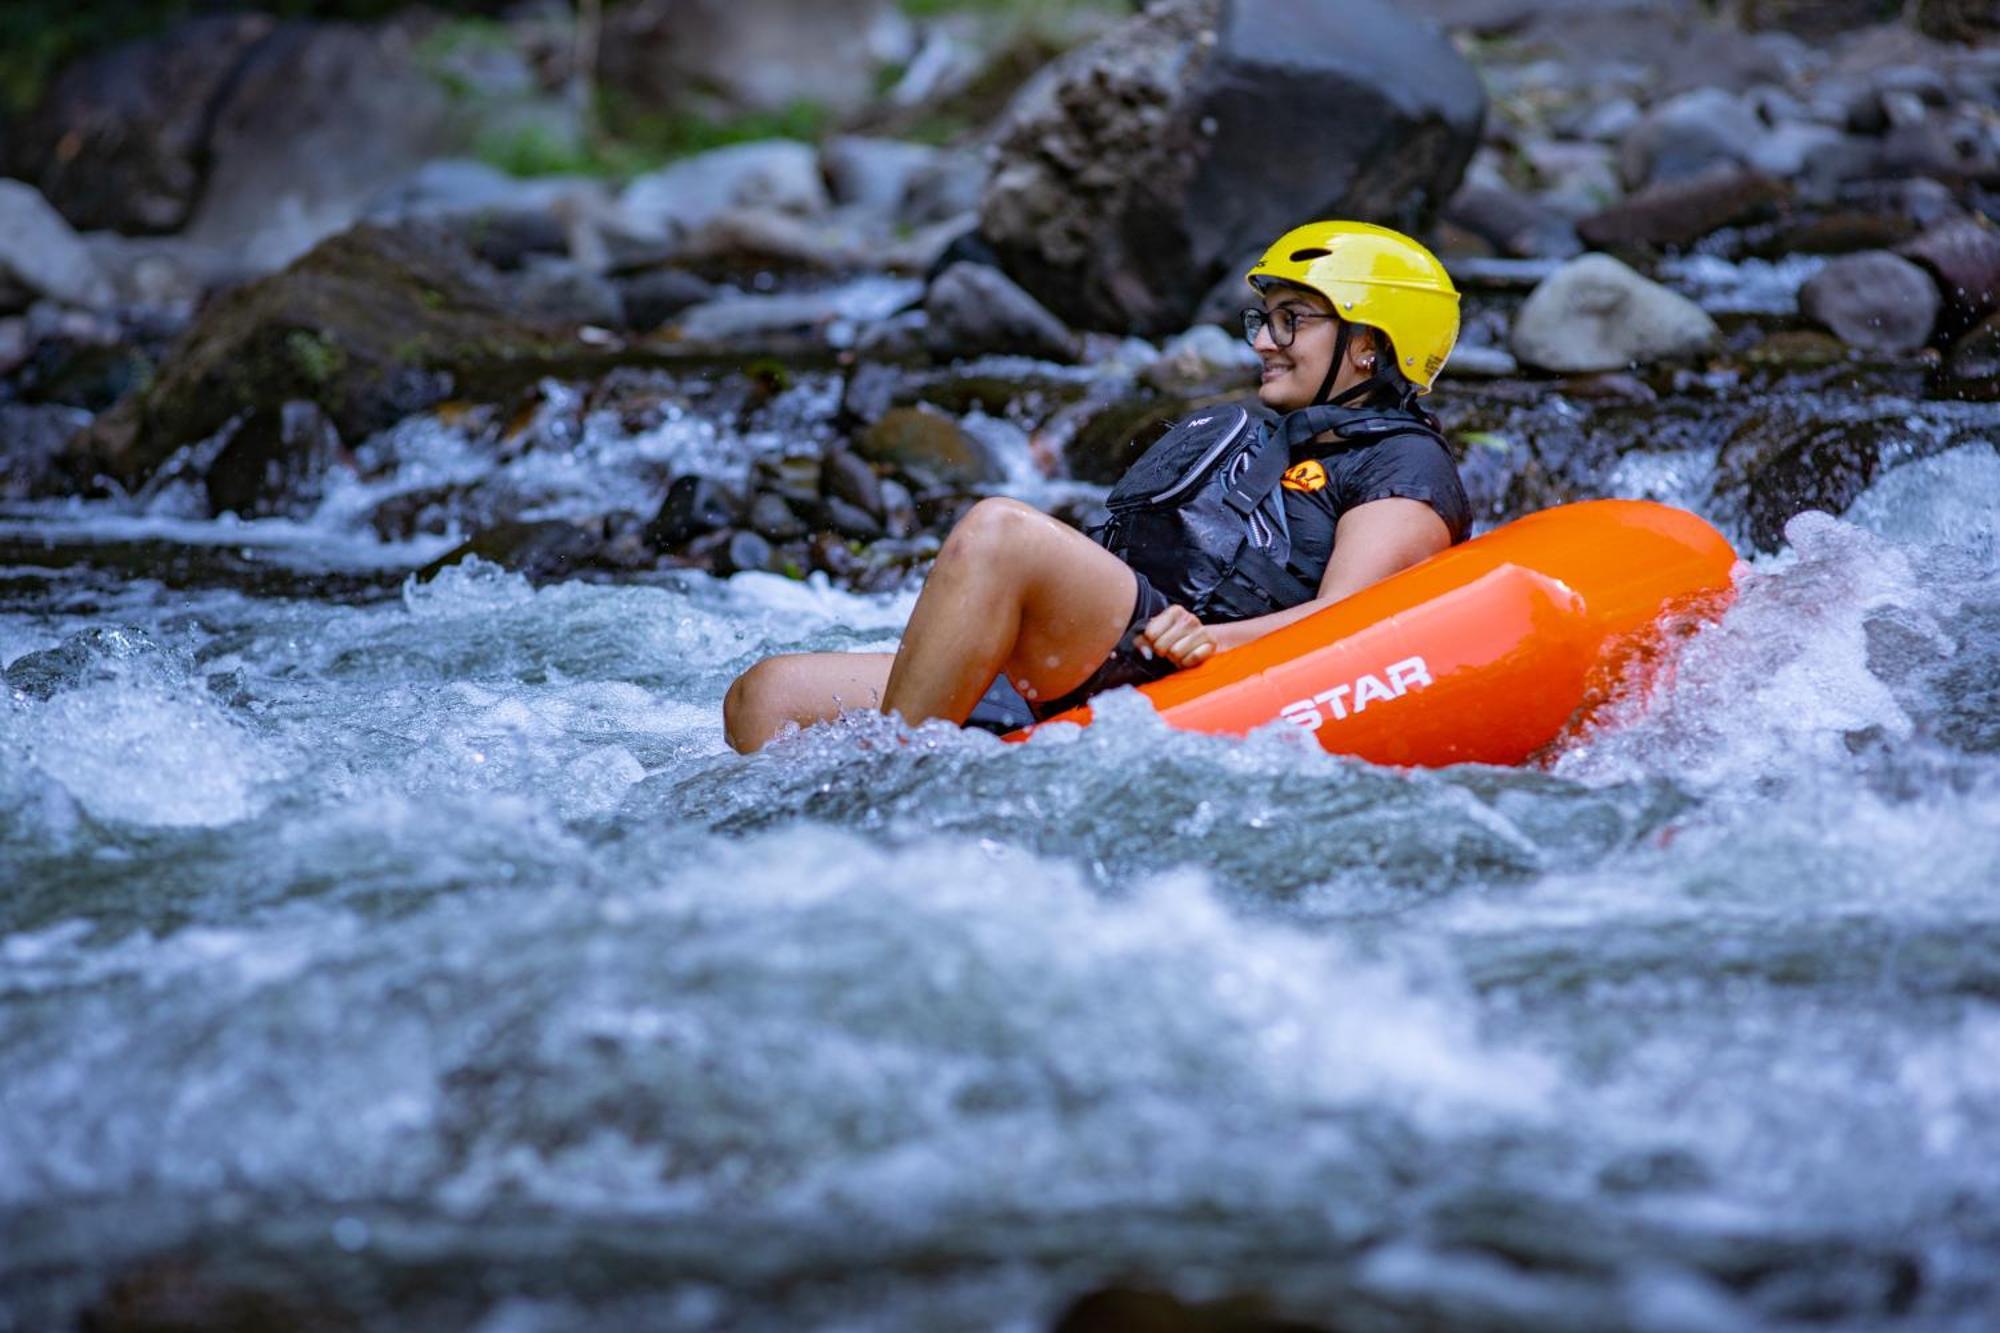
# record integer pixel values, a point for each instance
(1301, 256)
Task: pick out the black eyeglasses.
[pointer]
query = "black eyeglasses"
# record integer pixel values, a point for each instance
(1283, 322)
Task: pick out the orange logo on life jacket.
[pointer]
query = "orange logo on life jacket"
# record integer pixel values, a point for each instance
(1307, 476)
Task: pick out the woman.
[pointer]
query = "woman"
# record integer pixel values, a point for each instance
(1019, 602)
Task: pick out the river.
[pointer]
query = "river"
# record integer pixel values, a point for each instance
(387, 954)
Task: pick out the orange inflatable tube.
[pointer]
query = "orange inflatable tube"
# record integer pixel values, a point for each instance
(1483, 653)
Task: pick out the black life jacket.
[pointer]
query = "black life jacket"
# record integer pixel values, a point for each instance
(1201, 513)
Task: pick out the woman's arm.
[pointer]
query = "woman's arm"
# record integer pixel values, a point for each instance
(1371, 542)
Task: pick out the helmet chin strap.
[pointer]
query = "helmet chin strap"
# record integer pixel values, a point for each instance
(1359, 389)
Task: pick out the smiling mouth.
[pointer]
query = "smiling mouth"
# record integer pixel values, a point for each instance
(1277, 371)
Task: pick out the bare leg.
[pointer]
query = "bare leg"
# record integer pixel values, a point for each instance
(800, 687)
(1012, 590)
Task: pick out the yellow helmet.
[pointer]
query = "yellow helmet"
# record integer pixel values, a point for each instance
(1373, 276)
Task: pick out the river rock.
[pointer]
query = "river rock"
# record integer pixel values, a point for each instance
(32, 439)
(373, 324)
(1514, 224)
(561, 291)
(542, 550)
(746, 552)
(847, 477)
(41, 256)
(752, 55)
(1594, 313)
(694, 505)
(120, 139)
(777, 174)
(317, 122)
(1972, 367)
(1206, 359)
(1776, 465)
(873, 174)
(1680, 211)
(949, 187)
(1964, 258)
(1146, 163)
(972, 310)
(849, 519)
(1873, 300)
(929, 445)
(1686, 135)
(772, 518)
(1113, 436)
(273, 463)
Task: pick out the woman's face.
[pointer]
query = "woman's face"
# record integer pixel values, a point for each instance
(1292, 374)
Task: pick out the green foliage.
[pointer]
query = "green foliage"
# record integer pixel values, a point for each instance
(317, 358)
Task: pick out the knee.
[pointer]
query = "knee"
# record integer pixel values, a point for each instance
(754, 707)
(991, 529)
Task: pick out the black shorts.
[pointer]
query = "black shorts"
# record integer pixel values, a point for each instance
(1003, 708)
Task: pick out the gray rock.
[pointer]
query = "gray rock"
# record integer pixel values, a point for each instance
(1512, 223)
(275, 462)
(694, 505)
(773, 518)
(1974, 360)
(746, 552)
(756, 55)
(41, 256)
(1576, 179)
(120, 140)
(917, 441)
(32, 440)
(1688, 134)
(562, 291)
(873, 174)
(1594, 313)
(655, 296)
(1146, 163)
(758, 238)
(320, 119)
(778, 174)
(1964, 257)
(949, 186)
(733, 317)
(1874, 300)
(1480, 363)
(1206, 359)
(847, 477)
(899, 510)
(850, 520)
(973, 309)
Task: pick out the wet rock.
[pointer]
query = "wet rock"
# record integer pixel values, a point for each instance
(730, 318)
(745, 552)
(972, 309)
(1681, 211)
(845, 476)
(119, 140)
(1971, 368)
(562, 291)
(949, 186)
(752, 55)
(1480, 363)
(873, 174)
(1103, 200)
(1838, 233)
(1114, 436)
(1511, 222)
(1686, 135)
(899, 510)
(916, 441)
(545, 551)
(849, 520)
(793, 478)
(1133, 1310)
(41, 256)
(372, 325)
(1798, 349)
(777, 174)
(32, 439)
(1775, 467)
(750, 239)
(1956, 20)
(318, 121)
(1204, 360)
(1817, 18)
(1964, 258)
(1874, 300)
(273, 463)
(772, 518)
(829, 551)
(694, 505)
(655, 296)
(1594, 313)
(1576, 179)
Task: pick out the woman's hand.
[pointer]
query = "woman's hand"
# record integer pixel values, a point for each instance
(1176, 635)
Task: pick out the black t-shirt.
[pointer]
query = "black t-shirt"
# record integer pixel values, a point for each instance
(1319, 490)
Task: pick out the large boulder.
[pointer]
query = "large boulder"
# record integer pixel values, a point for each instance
(120, 140)
(1142, 167)
(752, 55)
(1594, 313)
(41, 256)
(371, 325)
(318, 121)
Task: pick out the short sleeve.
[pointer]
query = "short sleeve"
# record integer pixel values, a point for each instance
(1409, 467)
